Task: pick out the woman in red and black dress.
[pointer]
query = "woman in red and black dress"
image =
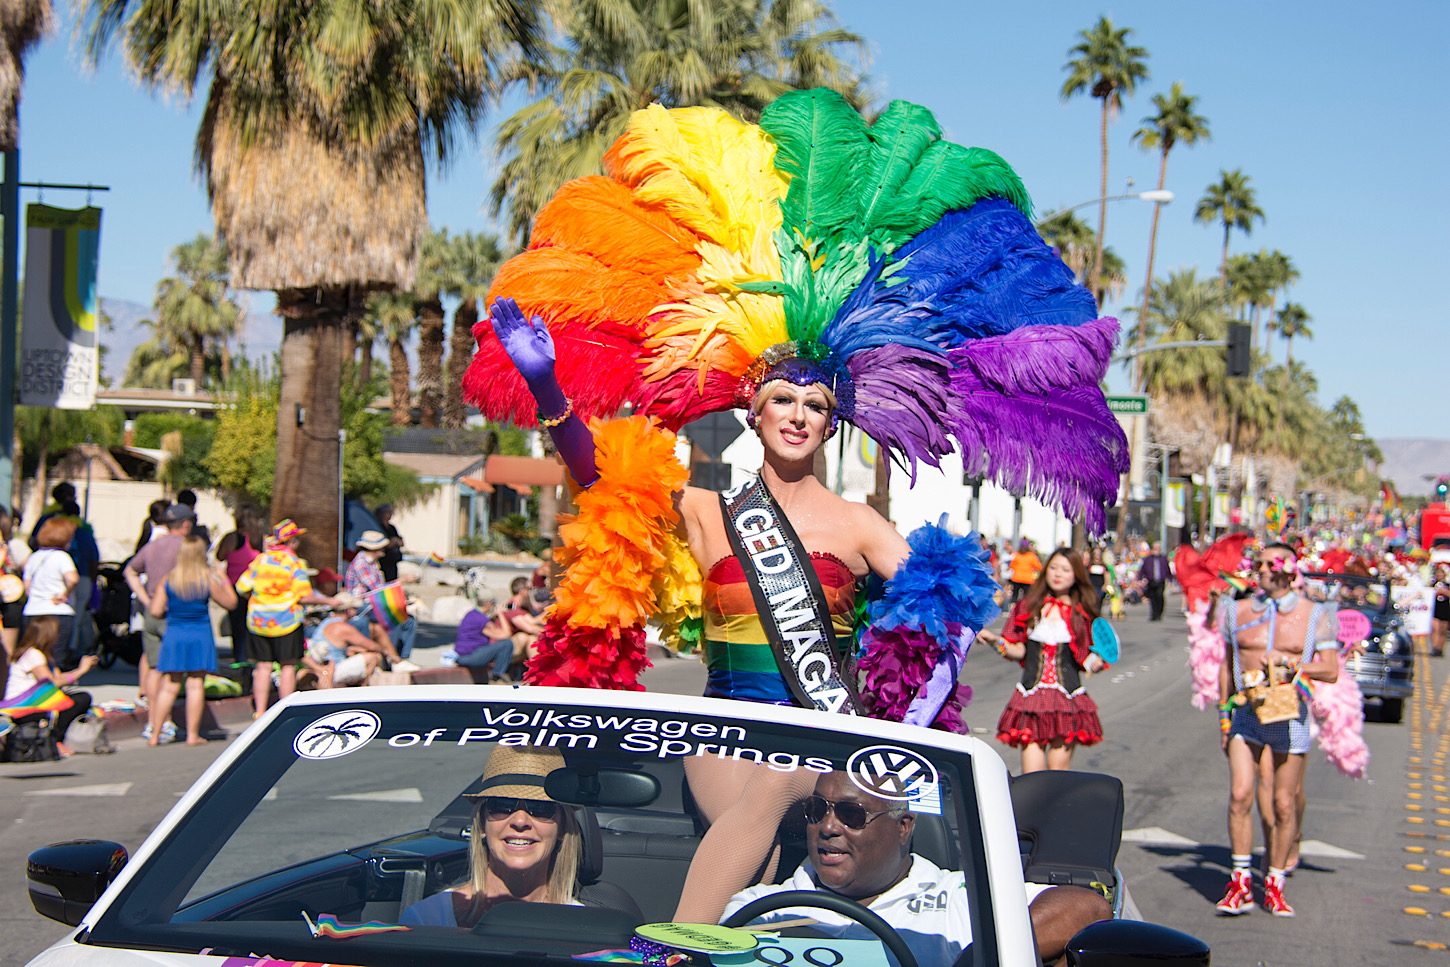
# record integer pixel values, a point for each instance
(1050, 632)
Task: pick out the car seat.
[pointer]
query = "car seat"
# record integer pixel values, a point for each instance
(593, 891)
(1069, 827)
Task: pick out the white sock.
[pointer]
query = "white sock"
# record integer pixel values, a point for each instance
(1242, 862)
(1276, 876)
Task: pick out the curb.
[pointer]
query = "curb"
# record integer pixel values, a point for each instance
(226, 714)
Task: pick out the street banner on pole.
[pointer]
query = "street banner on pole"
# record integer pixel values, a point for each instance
(59, 356)
(1174, 506)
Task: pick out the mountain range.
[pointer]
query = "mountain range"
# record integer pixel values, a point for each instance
(1408, 461)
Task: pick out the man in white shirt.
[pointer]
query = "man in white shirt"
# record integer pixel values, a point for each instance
(859, 846)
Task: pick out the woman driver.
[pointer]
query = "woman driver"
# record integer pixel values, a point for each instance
(522, 844)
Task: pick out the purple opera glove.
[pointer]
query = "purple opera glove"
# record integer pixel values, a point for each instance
(531, 349)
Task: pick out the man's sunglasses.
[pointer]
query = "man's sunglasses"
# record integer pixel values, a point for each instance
(502, 807)
(852, 815)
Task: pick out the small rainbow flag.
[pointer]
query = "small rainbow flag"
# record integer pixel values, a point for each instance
(326, 925)
(44, 697)
(436, 560)
(1305, 686)
(625, 957)
(389, 604)
(1234, 581)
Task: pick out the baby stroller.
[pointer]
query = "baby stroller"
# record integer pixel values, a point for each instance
(114, 637)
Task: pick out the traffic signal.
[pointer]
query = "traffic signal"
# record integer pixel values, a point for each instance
(1238, 350)
(1442, 487)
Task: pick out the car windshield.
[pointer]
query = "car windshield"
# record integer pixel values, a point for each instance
(387, 813)
(1348, 591)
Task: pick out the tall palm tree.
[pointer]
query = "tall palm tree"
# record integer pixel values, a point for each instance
(367, 336)
(1107, 67)
(312, 143)
(1233, 203)
(393, 315)
(428, 289)
(621, 55)
(1076, 244)
(1173, 123)
(1291, 321)
(1281, 273)
(158, 360)
(197, 305)
(474, 260)
(23, 24)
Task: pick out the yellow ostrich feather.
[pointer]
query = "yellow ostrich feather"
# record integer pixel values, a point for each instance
(679, 592)
(709, 171)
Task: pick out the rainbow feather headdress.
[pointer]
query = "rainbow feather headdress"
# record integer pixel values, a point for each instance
(897, 267)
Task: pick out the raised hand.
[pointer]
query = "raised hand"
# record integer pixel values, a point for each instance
(528, 344)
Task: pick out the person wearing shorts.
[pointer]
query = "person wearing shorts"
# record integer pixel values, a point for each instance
(279, 585)
(1281, 629)
(342, 655)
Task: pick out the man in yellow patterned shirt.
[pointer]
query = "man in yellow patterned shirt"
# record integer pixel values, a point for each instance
(278, 584)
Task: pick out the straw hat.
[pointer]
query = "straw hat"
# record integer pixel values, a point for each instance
(517, 772)
(372, 541)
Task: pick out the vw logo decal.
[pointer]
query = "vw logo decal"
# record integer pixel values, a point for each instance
(336, 734)
(891, 772)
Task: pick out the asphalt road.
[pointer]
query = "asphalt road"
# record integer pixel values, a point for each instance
(1351, 894)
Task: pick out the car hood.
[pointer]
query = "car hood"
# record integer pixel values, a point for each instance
(68, 953)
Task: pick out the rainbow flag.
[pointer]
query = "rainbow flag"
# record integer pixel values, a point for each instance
(1234, 581)
(326, 925)
(1305, 686)
(44, 697)
(436, 560)
(389, 604)
(625, 957)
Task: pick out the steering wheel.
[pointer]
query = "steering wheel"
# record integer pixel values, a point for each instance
(833, 902)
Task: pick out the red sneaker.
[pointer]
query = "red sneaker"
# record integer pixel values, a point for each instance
(1274, 900)
(1239, 897)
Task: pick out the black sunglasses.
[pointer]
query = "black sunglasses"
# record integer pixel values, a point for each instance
(852, 815)
(502, 807)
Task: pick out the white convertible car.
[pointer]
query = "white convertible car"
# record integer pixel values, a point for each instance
(338, 811)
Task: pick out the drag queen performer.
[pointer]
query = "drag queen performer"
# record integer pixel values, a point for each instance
(1049, 631)
(811, 270)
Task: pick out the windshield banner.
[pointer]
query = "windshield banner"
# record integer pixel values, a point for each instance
(59, 359)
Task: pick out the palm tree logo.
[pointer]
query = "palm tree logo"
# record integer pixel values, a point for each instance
(336, 734)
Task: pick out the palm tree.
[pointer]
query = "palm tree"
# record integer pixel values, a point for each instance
(196, 304)
(367, 335)
(312, 144)
(157, 361)
(428, 288)
(23, 24)
(393, 315)
(619, 56)
(471, 267)
(1281, 273)
(1292, 321)
(1233, 203)
(1173, 124)
(1076, 244)
(1107, 67)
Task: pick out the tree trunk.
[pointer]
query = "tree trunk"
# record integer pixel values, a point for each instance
(880, 499)
(1102, 212)
(349, 338)
(430, 361)
(198, 360)
(226, 361)
(460, 354)
(307, 487)
(398, 383)
(1223, 261)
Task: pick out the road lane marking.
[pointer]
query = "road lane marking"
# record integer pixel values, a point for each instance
(410, 794)
(101, 789)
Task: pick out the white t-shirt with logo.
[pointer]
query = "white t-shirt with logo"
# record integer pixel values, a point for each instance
(929, 908)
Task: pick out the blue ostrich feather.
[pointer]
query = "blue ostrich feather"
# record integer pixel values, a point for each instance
(946, 578)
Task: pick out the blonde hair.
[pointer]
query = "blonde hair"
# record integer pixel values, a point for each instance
(563, 881)
(763, 394)
(191, 577)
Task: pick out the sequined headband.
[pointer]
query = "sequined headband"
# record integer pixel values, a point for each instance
(801, 363)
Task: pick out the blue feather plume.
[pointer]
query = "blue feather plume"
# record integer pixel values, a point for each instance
(946, 578)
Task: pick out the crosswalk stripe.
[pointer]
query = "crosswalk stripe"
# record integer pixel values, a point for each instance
(410, 794)
(101, 789)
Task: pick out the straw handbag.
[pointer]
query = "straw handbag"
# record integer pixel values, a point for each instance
(1278, 701)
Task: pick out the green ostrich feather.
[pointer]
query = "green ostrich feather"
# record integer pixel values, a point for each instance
(820, 142)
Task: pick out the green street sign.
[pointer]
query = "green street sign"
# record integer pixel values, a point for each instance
(1128, 405)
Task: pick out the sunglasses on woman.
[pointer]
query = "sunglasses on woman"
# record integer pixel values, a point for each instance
(502, 807)
(852, 815)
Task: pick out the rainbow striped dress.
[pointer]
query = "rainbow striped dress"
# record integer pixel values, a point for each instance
(739, 659)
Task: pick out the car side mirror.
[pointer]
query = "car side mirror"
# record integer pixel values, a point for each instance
(589, 784)
(1133, 943)
(66, 879)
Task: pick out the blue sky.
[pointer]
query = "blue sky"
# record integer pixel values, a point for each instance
(1336, 111)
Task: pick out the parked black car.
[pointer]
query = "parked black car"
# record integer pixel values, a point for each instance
(1386, 670)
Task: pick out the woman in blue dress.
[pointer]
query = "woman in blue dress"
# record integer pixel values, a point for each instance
(188, 647)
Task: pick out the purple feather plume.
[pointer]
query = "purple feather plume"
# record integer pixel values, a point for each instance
(1060, 444)
(903, 399)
